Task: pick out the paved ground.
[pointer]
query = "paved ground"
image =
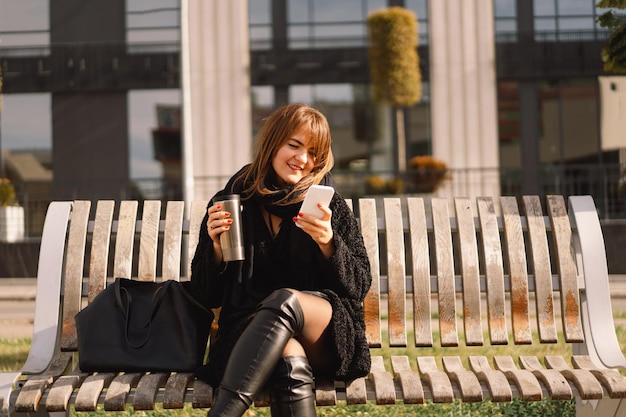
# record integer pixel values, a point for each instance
(17, 304)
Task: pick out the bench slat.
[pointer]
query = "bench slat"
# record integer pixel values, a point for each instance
(125, 240)
(396, 268)
(611, 379)
(570, 300)
(356, 392)
(445, 272)
(466, 381)
(146, 391)
(117, 393)
(371, 304)
(542, 271)
(494, 271)
(421, 272)
(409, 380)
(90, 390)
(587, 385)
(382, 381)
(149, 240)
(74, 263)
(518, 272)
(172, 240)
(498, 385)
(100, 243)
(175, 389)
(61, 391)
(196, 214)
(202, 395)
(438, 381)
(469, 272)
(325, 393)
(527, 384)
(554, 381)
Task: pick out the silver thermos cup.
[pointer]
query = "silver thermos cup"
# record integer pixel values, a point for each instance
(232, 240)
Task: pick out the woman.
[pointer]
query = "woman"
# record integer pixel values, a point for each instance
(293, 307)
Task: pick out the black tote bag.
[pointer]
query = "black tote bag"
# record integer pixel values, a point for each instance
(143, 326)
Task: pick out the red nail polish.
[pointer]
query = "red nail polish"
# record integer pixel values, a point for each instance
(300, 214)
(295, 219)
(218, 207)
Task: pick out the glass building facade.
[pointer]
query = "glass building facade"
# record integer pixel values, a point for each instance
(315, 51)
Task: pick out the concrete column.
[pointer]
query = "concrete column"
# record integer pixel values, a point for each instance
(463, 95)
(90, 129)
(217, 132)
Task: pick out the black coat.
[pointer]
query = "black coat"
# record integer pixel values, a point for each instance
(295, 262)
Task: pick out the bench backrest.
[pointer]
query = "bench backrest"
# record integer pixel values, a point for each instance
(424, 253)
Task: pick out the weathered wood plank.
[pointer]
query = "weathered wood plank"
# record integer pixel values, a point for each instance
(494, 271)
(125, 240)
(466, 381)
(149, 240)
(147, 388)
(172, 240)
(61, 391)
(356, 392)
(527, 384)
(587, 385)
(518, 272)
(542, 271)
(27, 400)
(117, 393)
(421, 272)
(445, 272)
(469, 272)
(175, 389)
(556, 384)
(498, 385)
(100, 243)
(566, 261)
(325, 394)
(382, 381)
(611, 379)
(396, 274)
(89, 392)
(74, 263)
(371, 304)
(202, 395)
(196, 214)
(409, 380)
(438, 381)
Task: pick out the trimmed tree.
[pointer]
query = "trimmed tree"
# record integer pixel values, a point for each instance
(394, 66)
(614, 52)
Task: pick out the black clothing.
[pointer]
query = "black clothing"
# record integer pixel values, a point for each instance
(289, 260)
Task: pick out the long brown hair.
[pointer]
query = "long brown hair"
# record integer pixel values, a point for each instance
(275, 130)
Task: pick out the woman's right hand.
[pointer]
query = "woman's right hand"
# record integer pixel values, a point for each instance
(218, 222)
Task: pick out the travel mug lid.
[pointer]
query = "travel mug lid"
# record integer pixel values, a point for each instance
(227, 197)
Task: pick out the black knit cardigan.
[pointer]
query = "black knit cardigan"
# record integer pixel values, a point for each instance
(344, 278)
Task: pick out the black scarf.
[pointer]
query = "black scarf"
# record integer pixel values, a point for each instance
(236, 185)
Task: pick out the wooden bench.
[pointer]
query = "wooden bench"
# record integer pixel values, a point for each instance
(469, 272)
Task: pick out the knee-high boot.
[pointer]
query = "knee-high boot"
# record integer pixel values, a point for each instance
(292, 388)
(252, 361)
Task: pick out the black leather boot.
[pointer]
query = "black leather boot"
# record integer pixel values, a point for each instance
(278, 318)
(292, 388)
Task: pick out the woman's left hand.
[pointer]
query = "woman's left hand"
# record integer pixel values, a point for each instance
(320, 230)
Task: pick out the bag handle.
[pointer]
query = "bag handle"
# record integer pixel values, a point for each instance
(157, 299)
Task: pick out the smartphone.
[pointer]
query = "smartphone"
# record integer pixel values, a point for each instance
(315, 195)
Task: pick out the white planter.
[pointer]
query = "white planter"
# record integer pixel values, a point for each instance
(11, 224)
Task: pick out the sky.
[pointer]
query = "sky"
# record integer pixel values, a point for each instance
(25, 119)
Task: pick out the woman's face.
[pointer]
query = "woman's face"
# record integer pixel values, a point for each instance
(295, 158)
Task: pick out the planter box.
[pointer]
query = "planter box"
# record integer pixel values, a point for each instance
(11, 224)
